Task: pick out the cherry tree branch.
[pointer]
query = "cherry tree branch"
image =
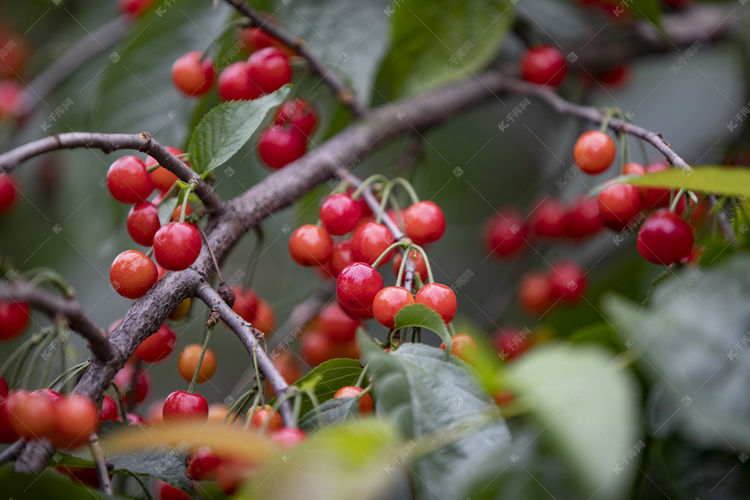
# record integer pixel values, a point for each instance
(12, 452)
(343, 93)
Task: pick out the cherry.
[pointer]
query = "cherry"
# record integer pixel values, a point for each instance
(255, 39)
(124, 379)
(505, 232)
(177, 212)
(128, 181)
(388, 302)
(269, 68)
(7, 434)
(265, 418)
(583, 219)
(108, 411)
(339, 214)
(135, 8)
(75, 420)
(310, 245)
(547, 219)
(245, 303)
(8, 193)
(317, 348)
(157, 346)
(341, 256)
(169, 492)
(424, 222)
(132, 274)
(349, 391)
(356, 287)
(143, 222)
(543, 65)
(188, 361)
(534, 293)
(419, 264)
(11, 99)
(463, 347)
(3, 390)
(369, 241)
(594, 152)
(31, 415)
(177, 245)
(235, 83)
(182, 406)
(615, 76)
(288, 437)
(14, 319)
(510, 343)
(15, 54)
(182, 310)
(265, 318)
(162, 178)
(280, 146)
(567, 281)
(655, 197)
(299, 113)
(192, 76)
(439, 298)
(619, 204)
(633, 168)
(135, 419)
(201, 464)
(665, 238)
(337, 324)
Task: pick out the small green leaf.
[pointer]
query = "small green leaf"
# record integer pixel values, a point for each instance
(166, 209)
(331, 412)
(419, 315)
(724, 181)
(226, 128)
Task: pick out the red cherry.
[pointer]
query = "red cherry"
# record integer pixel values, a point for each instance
(463, 347)
(655, 197)
(15, 54)
(134, 8)
(594, 152)
(298, 113)
(534, 293)
(615, 76)
(157, 346)
(583, 219)
(168, 492)
(505, 232)
(255, 39)
(192, 76)
(547, 219)
(310, 245)
(316, 348)
(32, 416)
(369, 241)
(388, 302)
(128, 181)
(8, 193)
(177, 245)
(619, 204)
(269, 68)
(424, 222)
(124, 379)
(143, 222)
(7, 434)
(419, 264)
(3, 390)
(510, 343)
(235, 83)
(357, 285)
(14, 319)
(11, 98)
(339, 214)
(337, 324)
(231, 473)
(266, 419)
(132, 274)
(108, 411)
(665, 238)
(201, 464)
(349, 391)
(162, 178)
(341, 256)
(135, 419)
(288, 437)
(280, 146)
(177, 212)
(439, 298)
(567, 281)
(543, 65)
(183, 406)
(76, 419)
(245, 303)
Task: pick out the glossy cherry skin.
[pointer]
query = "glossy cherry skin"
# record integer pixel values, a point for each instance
(123, 381)
(235, 83)
(8, 193)
(341, 256)
(339, 214)
(14, 319)
(177, 245)
(280, 146)
(182, 406)
(108, 411)
(288, 437)
(169, 492)
(245, 303)
(7, 434)
(201, 464)
(143, 222)
(619, 204)
(128, 181)
(544, 65)
(388, 302)
(266, 419)
(162, 178)
(594, 152)
(510, 343)
(157, 346)
(424, 222)
(76, 419)
(349, 391)
(369, 241)
(3, 390)
(583, 219)
(269, 68)
(547, 219)
(132, 274)
(357, 285)
(337, 324)
(192, 76)
(31, 416)
(310, 245)
(188, 361)
(298, 113)
(665, 238)
(567, 281)
(534, 293)
(505, 232)
(439, 298)
(463, 347)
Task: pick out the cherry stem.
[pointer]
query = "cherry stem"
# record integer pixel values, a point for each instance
(191, 389)
(118, 402)
(15, 354)
(101, 464)
(252, 411)
(362, 375)
(406, 255)
(254, 256)
(70, 373)
(388, 250)
(296, 409)
(239, 403)
(676, 200)
(367, 182)
(430, 279)
(44, 275)
(384, 201)
(400, 181)
(222, 32)
(211, 251)
(185, 198)
(38, 339)
(608, 115)
(168, 194)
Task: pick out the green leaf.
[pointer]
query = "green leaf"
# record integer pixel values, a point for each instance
(429, 395)
(724, 181)
(649, 10)
(601, 333)
(166, 209)
(226, 128)
(48, 484)
(331, 412)
(693, 338)
(437, 42)
(419, 315)
(588, 407)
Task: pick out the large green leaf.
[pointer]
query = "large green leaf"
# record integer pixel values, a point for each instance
(435, 42)
(693, 339)
(48, 484)
(331, 412)
(431, 395)
(226, 128)
(419, 315)
(587, 405)
(727, 181)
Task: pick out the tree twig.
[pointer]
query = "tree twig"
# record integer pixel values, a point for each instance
(12, 452)
(101, 464)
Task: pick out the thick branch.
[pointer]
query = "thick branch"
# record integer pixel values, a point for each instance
(69, 309)
(343, 93)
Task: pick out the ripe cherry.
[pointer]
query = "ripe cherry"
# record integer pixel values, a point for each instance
(505, 232)
(288, 367)
(75, 420)
(8, 193)
(128, 181)
(182, 310)
(655, 197)
(245, 303)
(594, 152)
(510, 343)
(337, 324)
(132, 274)
(7, 434)
(615, 76)
(419, 264)
(157, 346)
(192, 76)
(339, 214)
(162, 178)
(143, 222)
(124, 379)
(169, 492)
(15, 54)
(665, 238)
(316, 348)
(265, 418)
(543, 65)
(310, 245)
(269, 68)
(547, 219)
(235, 83)
(349, 391)
(135, 419)
(534, 293)
(583, 219)
(188, 361)
(341, 256)
(11, 99)
(265, 318)
(388, 302)
(177, 245)
(201, 464)
(369, 241)
(31, 415)
(14, 319)
(463, 347)
(619, 204)
(567, 281)
(424, 222)
(288, 437)
(134, 8)
(280, 146)
(3, 390)
(356, 287)
(182, 406)
(108, 411)
(439, 298)
(298, 113)
(177, 212)
(255, 39)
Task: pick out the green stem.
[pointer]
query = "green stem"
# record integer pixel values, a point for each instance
(39, 338)
(55, 278)
(119, 403)
(15, 354)
(675, 200)
(383, 202)
(430, 279)
(387, 251)
(607, 118)
(191, 389)
(402, 267)
(367, 182)
(68, 374)
(237, 404)
(188, 190)
(409, 188)
(362, 375)
(250, 414)
(168, 194)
